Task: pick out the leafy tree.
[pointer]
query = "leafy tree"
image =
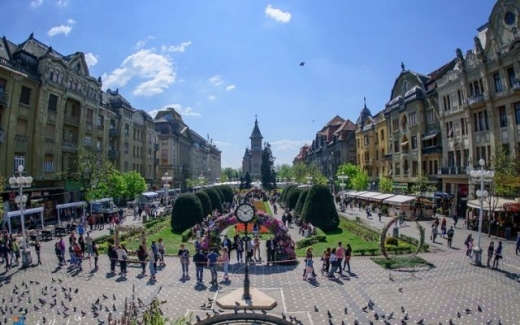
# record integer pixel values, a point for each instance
(228, 173)
(301, 201)
(385, 185)
(88, 168)
(284, 172)
(247, 181)
(420, 187)
(113, 185)
(135, 184)
(187, 212)
(319, 208)
(292, 197)
(214, 197)
(205, 202)
(267, 171)
(360, 181)
(507, 174)
(351, 171)
(300, 171)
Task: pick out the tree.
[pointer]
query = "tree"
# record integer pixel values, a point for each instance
(385, 185)
(135, 184)
(284, 172)
(299, 172)
(87, 168)
(267, 171)
(247, 181)
(301, 202)
(360, 181)
(205, 202)
(420, 187)
(214, 197)
(228, 173)
(319, 208)
(228, 193)
(351, 171)
(507, 173)
(113, 185)
(292, 197)
(186, 213)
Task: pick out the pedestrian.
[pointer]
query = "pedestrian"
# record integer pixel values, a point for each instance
(498, 255)
(450, 234)
(490, 251)
(37, 248)
(57, 252)
(212, 264)
(141, 256)
(325, 268)
(184, 257)
(152, 264)
(155, 254)
(333, 263)
(4, 251)
(348, 255)
(81, 242)
(161, 249)
(518, 243)
(435, 231)
(309, 265)
(95, 252)
(256, 248)
(78, 256)
(91, 222)
(199, 259)
(112, 256)
(122, 254)
(88, 242)
(224, 259)
(443, 227)
(249, 249)
(468, 242)
(270, 246)
(379, 214)
(339, 257)
(455, 220)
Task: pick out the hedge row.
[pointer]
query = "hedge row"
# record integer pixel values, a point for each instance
(320, 237)
(362, 231)
(414, 242)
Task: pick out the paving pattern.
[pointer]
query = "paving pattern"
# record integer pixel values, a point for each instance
(436, 295)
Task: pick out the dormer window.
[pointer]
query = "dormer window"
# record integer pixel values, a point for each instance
(406, 87)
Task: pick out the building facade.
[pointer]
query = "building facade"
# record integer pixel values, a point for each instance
(252, 160)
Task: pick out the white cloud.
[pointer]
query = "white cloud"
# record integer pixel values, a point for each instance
(156, 70)
(91, 59)
(277, 14)
(71, 21)
(62, 29)
(184, 111)
(283, 145)
(216, 80)
(230, 87)
(212, 98)
(62, 3)
(140, 44)
(224, 144)
(36, 3)
(176, 48)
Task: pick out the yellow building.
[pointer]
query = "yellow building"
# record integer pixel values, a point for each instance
(367, 145)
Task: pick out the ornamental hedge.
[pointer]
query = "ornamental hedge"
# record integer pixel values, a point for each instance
(186, 212)
(292, 197)
(205, 201)
(214, 197)
(228, 193)
(319, 208)
(301, 201)
(220, 193)
(285, 191)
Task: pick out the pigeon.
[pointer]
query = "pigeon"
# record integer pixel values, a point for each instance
(391, 315)
(489, 322)
(211, 300)
(245, 310)
(95, 314)
(237, 303)
(451, 322)
(215, 312)
(106, 309)
(421, 322)
(203, 305)
(356, 322)
(65, 315)
(479, 308)
(113, 307)
(316, 309)
(104, 297)
(345, 310)
(97, 301)
(302, 64)
(236, 310)
(458, 314)
(44, 320)
(400, 289)
(376, 316)
(82, 313)
(264, 312)
(76, 291)
(36, 307)
(364, 309)
(198, 319)
(330, 322)
(499, 321)
(100, 322)
(468, 311)
(284, 317)
(114, 296)
(342, 322)
(403, 322)
(208, 315)
(291, 319)
(329, 314)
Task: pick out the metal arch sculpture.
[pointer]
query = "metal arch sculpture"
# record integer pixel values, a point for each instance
(385, 229)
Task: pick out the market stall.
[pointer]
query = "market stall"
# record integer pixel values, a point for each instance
(27, 212)
(72, 208)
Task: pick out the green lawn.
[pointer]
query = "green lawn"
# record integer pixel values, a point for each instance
(401, 262)
(172, 240)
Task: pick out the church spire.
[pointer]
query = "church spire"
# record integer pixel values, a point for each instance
(256, 134)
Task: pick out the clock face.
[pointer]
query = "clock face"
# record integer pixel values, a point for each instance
(509, 18)
(245, 212)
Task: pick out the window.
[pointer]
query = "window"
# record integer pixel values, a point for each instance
(382, 135)
(367, 158)
(511, 77)
(3, 84)
(19, 160)
(517, 112)
(414, 142)
(125, 147)
(365, 137)
(446, 103)
(451, 158)
(377, 154)
(25, 95)
(449, 129)
(476, 87)
(463, 128)
(397, 169)
(358, 143)
(88, 141)
(396, 146)
(53, 102)
(98, 143)
(460, 97)
(412, 118)
(395, 125)
(48, 164)
(21, 127)
(497, 82)
(430, 116)
(481, 121)
(502, 116)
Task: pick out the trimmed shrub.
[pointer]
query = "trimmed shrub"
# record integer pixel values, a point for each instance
(187, 212)
(220, 193)
(301, 201)
(286, 190)
(292, 197)
(186, 235)
(391, 241)
(319, 208)
(228, 193)
(205, 201)
(214, 197)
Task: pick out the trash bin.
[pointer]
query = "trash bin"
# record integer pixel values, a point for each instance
(395, 232)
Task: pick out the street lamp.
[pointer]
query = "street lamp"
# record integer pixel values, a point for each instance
(166, 180)
(20, 181)
(343, 179)
(482, 175)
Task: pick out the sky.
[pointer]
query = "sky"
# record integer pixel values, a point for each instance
(220, 63)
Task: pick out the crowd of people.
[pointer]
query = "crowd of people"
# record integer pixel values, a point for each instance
(334, 260)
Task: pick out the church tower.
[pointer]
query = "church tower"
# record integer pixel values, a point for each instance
(253, 157)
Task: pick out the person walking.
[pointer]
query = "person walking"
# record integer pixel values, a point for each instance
(184, 257)
(212, 264)
(490, 251)
(450, 234)
(309, 265)
(123, 259)
(199, 259)
(333, 263)
(518, 243)
(256, 248)
(141, 255)
(112, 256)
(239, 248)
(339, 257)
(270, 246)
(4, 251)
(224, 259)
(326, 261)
(88, 242)
(152, 264)
(95, 252)
(348, 255)
(469, 244)
(435, 232)
(498, 255)
(37, 248)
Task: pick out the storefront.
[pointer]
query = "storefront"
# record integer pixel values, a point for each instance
(400, 188)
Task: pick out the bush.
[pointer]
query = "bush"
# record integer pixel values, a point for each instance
(214, 197)
(205, 201)
(218, 189)
(391, 241)
(319, 208)
(283, 197)
(228, 193)
(292, 197)
(384, 210)
(319, 237)
(301, 201)
(186, 235)
(187, 212)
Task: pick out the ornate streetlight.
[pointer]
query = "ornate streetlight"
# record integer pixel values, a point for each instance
(20, 181)
(481, 175)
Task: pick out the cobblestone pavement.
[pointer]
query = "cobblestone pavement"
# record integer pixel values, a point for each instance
(435, 295)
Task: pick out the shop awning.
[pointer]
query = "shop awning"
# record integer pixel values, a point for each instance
(491, 203)
(355, 193)
(382, 197)
(368, 195)
(430, 136)
(398, 199)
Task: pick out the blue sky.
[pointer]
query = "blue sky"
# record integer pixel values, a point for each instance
(221, 62)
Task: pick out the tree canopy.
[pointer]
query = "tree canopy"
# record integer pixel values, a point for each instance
(385, 185)
(507, 174)
(357, 178)
(267, 171)
(113, 185)
(135, 184)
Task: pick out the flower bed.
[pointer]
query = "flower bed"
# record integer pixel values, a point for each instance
(241, 228)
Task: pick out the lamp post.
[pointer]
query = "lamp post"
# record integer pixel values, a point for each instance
(20, 181)
(166, 179)
(481, 175)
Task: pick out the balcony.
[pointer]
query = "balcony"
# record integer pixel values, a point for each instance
(113, 133)
(69, 146)
(2, 136)
(431, 150)
(21, 143)
(71, 120)
(113, 154)
(515, 87)
(3, 100)
(475, 100)
(452, 170)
